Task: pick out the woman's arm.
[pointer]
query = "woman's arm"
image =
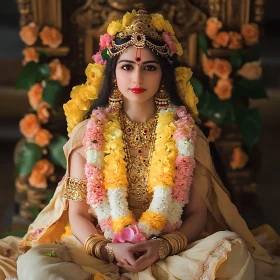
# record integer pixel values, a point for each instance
(194, 217)
(79, 217)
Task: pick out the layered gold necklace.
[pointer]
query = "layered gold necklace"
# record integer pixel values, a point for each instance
(139, 139)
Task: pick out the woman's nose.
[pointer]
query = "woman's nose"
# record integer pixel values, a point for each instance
(137, 76)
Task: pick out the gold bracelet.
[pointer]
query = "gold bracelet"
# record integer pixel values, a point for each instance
(177, 241)
(110, 253)
(163, 249)
(91, 243)
(97, 250)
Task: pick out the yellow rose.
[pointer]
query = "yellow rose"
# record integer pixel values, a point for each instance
(178, 46)
(168, 27)
(158, 21)
(127, 18)
(183, 74)
(251, 70)
(95, 70)
(114, 27)
(191, 99)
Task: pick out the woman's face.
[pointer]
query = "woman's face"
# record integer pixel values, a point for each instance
(138, 81)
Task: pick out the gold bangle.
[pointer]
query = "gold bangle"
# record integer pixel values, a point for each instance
(91, 243)
(110, 253)
(97, 249)
(163, 249)
(177, 240)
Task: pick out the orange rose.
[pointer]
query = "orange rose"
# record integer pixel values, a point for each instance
(235, 40)
(59, 72)
(207, 66)
(251, 70)
(215, 131)
(29, 125)
(223, 89)
(30, 54)
(43, 137)
(43, 112)
(51, 37)
(239, 158)
(221, 39)
(222, 68)
(40, 171)
(35, 95)
(213, 25)
(250, 33)
(29, 34)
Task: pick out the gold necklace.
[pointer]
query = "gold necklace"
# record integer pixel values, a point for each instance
(139, 137)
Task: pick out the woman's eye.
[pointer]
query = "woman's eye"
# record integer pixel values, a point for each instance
(127, 67)
(150, 68)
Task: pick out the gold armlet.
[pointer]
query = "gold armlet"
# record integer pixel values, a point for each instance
(75, 189)
(177, 240)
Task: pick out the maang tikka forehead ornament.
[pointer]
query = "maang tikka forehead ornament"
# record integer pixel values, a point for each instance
(138, 29)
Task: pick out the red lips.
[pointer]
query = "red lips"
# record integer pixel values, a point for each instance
(137, 90)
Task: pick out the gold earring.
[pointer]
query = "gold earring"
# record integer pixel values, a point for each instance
(116, 98)
(162, 98)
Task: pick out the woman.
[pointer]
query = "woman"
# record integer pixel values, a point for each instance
(140, 190)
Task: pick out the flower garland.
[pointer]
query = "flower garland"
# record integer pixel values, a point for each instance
(170, 174)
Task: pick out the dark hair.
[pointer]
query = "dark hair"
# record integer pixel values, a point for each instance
(168, 79)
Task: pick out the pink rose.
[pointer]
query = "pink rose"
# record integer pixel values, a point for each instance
(181, 112)
(98, 58)
(169, 41)
(129, 234)
(105, 41)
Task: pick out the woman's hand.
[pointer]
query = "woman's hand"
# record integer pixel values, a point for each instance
(148, 255)
(123, 253)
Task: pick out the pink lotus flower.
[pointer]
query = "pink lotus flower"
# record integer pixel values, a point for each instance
(98, 58)
(105, 41)
(129, 234)
(169, 41)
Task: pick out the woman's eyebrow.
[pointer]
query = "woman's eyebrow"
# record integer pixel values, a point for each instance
(145, 62)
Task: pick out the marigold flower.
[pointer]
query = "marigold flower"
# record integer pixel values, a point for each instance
(168, 27)
(43, 137)
(30, 54)
(127, 18)
(221, 39)
(250, 33)
(222, 68)
(235, 40)
(29, 125)
(43, 113)
(215, 131)
(251, 70)
(213, 25)
(239, 158)
(35, 95)
(158, 21)
(59, 72)
(51, 37)
(223, 89)
(29, 34)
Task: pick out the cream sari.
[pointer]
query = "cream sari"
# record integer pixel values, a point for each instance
(225, 250)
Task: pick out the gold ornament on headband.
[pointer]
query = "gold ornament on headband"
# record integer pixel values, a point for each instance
(138, 29)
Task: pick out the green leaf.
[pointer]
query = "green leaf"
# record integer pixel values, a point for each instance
(236, 59)
(249, 122)
(56, 150)
(197, 87)
(252, 53)
(28, 76)
(44, 70)
(52, 93)
(43, 56)
(35, 212)
(29, 154)
(203, 43)
(219, 111)
(19, 233)
(249, 88)
(105, 55)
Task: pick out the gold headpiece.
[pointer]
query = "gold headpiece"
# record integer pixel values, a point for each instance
(138, 29)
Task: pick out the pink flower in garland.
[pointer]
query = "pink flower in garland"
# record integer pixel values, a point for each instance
(98, 58)
(181, 112)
